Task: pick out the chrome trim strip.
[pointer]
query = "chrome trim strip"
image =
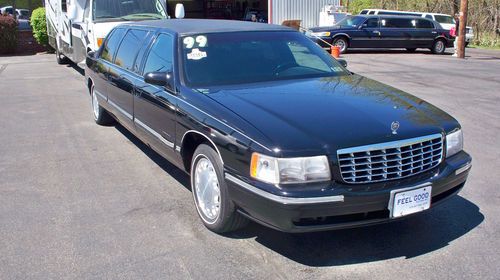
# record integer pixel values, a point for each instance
(463, 168)
(154, 133)
(100, 94)
(283, 199)
(125, 113)
(389, 145)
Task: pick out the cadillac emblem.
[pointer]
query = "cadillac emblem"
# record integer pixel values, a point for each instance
(395, 127)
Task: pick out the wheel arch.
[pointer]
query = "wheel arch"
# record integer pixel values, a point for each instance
(190, 141)
(344, 35)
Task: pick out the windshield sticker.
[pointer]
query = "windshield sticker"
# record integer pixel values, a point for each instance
(196, 54)
(200, 42)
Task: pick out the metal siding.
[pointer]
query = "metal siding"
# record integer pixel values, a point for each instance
(305, 10)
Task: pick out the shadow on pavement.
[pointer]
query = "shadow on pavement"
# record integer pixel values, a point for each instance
(411, 237)
(394, 51)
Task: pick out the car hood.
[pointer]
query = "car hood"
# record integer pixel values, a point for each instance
(322, 115)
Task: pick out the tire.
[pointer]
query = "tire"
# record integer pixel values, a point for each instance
(439, 47)
(60, 59)
(101, 116)
(342, 43)
(411, 49)
(466, 44)
(221, 216)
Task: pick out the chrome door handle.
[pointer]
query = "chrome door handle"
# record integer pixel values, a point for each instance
(434, 32)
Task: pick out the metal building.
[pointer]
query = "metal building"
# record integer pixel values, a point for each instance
(305, 10)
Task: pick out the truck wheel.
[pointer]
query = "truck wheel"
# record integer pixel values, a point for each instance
(211, 198)
(342, 43)
(438, 47)
(101, 116)
(61, 59)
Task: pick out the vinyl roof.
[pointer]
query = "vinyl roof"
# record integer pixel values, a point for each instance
(190, 26)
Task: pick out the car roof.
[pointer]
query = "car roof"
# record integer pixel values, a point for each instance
(392, 16)
(190, 26)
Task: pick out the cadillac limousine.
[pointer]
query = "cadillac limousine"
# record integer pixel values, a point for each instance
(271, 128)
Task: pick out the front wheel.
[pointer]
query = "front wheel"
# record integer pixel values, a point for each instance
(60, 58)
(210, 194)
(341, 43)
(438, 47)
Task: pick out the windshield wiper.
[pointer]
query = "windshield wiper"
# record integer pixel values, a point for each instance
(146, 15)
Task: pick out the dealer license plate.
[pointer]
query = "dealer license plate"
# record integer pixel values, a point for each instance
(408, 201)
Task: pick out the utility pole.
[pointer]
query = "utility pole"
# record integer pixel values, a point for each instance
(463, 23)
(14, 13)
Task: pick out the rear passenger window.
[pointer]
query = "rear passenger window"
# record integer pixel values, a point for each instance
(397, 23)
(429, 17)
(160, 58)
(111, 44)
(129, 47)
(422, 23)
(372, 23)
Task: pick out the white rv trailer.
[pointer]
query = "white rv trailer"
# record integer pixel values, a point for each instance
(76, 27)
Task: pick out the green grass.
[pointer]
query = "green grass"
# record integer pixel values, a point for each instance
(22, 4)
(485, 47)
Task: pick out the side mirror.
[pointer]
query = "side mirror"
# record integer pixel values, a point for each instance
(179, 11)
(342, 62)
(91, 54)
(163, 79)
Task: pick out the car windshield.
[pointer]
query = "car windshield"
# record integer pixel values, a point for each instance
(105, 10)
(351, 21)
(249, 57)
(444, 19)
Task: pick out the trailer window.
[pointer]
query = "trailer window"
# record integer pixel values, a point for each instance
(64, 5)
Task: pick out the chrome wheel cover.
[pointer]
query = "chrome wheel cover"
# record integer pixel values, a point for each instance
(206, 190)
(341, 44)
(95, 105)
(439, 46)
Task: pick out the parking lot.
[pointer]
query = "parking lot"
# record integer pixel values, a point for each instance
(78, 200)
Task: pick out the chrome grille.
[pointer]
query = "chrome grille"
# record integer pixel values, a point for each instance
(392, 160)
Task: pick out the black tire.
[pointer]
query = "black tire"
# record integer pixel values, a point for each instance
(228, 219)
(466, 44)
(101, 116)
(342, 42)
(411, 49)
(61, 59)
(439, 47)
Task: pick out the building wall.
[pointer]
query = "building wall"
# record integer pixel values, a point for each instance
(305, 10)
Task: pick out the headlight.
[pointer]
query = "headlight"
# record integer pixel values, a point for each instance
(289, 170)
(321, 34)
(454, 143)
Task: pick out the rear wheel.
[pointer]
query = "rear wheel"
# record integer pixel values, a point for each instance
(101, 116)
(60, 58)
(211, 198)
(411, 49)
(342, 43)
(438, 47)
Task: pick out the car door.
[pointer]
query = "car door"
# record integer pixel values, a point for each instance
(396, 32)
(368, 35)
(121, 77)
(155, 107)
(424, 33)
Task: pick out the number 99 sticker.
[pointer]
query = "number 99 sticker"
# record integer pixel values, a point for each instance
(198, 42)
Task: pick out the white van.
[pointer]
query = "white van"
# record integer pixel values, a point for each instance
(76, 27)
(446, 21)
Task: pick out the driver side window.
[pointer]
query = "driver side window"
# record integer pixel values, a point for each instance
(372, 23)
(160, 57)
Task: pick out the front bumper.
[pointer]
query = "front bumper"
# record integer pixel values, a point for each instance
(343, 205)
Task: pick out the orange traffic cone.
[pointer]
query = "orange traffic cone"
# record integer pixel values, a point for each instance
(335, 51)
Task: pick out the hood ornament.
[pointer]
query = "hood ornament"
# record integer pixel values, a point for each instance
(395, 127)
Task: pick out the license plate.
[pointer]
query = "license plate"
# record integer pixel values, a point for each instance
(408, 201)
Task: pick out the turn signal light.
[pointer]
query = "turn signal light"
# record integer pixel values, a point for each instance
(99, 42)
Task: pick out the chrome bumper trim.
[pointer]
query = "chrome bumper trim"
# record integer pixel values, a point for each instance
(283, 199)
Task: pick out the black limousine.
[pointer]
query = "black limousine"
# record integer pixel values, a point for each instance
(273, 129)
(365, 31)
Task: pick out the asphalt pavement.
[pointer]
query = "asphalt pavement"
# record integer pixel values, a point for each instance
(82, 201)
